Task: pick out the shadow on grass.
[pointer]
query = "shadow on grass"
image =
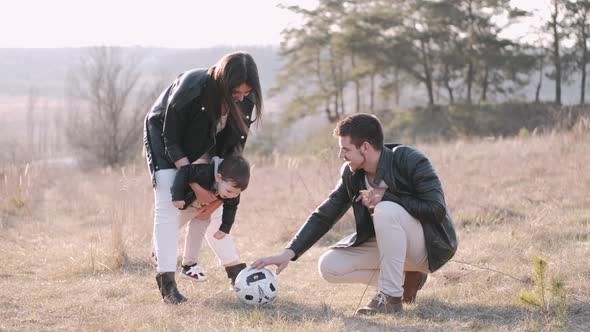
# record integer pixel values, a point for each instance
(429, 312)
(476, 314)
(140, 266)
(479, 316)
(578, 314)
(435, 314)
(290, 312)
(286, 312)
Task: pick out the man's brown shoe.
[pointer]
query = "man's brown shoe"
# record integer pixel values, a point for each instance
(412, 283)
(382, 304)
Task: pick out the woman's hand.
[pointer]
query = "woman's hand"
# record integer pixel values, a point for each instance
(178, 204)
(219, 235)
(205, 211)
(204, 197)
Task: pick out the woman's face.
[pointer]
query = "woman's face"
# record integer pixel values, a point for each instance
(240, 92)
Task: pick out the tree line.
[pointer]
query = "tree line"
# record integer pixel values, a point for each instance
(453, 49)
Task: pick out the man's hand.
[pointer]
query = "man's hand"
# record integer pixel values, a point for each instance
(219, 235)
(178, 204)
(204, 197)
(281, 260)
(370, 197)
(204, 212)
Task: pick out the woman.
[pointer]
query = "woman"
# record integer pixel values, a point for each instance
(203, 113)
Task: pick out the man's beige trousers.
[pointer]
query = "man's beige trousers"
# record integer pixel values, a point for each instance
(397, 247)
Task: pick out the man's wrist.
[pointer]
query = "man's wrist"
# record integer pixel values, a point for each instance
(288, 253)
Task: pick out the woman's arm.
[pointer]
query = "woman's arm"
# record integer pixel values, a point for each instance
(180, 183)
(181, 162)
(203, 196)
(175, 122)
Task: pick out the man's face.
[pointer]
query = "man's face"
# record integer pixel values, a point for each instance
(240, 92)
(226, 189)
(350, 153)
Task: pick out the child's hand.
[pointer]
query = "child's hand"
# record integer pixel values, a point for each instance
(219, 235)
(178, 204)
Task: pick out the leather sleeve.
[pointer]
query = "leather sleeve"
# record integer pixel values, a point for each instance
(175, 123)
(426, 201)
(180, 184)
(321, 220)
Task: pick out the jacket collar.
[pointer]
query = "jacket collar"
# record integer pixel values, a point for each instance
(384, 166)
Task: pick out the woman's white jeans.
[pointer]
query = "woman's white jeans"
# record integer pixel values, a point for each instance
(167, 222)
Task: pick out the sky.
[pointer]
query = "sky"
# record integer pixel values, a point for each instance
(163, 23)
(528, 28)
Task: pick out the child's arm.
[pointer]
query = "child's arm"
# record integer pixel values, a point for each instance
(200, 180)
(219, 235)
(201, 174)
(179, 186)
(180, 191)
(230, 207)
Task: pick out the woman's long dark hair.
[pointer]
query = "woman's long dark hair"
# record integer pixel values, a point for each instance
(231, 71)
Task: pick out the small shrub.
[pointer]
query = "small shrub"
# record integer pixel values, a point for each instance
(523, 132)
(548, 298)
(18, 202)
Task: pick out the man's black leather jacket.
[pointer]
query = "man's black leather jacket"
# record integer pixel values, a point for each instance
(411, 182)
(178, 125)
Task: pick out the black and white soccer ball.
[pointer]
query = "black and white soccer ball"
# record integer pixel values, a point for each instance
(256, 286)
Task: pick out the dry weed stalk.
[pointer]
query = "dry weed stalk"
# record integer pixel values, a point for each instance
(118, 252)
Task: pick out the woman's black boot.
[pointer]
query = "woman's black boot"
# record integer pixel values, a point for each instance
(167, 285)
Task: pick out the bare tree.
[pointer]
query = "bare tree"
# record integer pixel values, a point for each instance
(541, 67)
(579, 16)
(108, 102)
(32, 101)
(555, 26)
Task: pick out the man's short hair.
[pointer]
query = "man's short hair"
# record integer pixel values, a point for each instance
(361, 127)
(235, 169)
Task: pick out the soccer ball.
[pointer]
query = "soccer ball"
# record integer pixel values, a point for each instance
(256, 286)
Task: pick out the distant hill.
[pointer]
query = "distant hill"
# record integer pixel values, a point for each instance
(46, 69)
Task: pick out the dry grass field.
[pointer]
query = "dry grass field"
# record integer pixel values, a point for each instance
(74, 246)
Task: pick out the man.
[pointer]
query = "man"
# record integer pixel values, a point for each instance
(403, 229)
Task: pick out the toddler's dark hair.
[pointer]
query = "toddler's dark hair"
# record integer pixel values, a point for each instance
(235, 169)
